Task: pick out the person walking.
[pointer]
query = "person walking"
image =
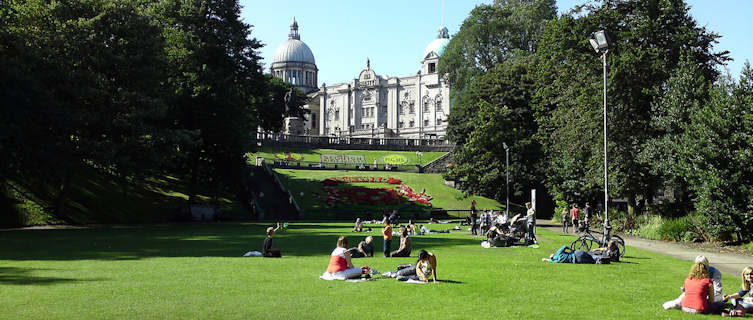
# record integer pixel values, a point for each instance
(587, 214)
(387, 233)
(531, 224)
(574, 215)
(565, 220)
(474, 218)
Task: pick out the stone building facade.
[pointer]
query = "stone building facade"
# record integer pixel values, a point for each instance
(374, 106)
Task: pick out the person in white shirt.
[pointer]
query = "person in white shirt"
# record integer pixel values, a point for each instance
(530, 224)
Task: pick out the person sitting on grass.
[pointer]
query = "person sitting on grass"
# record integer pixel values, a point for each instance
(340, 267)
(364, 249)
(737, 298)
(425, 267)
(611, 250)
(699, 290)
(268, 251)
(405, 245)
(358, 227)
(716, 279)
(411, 227)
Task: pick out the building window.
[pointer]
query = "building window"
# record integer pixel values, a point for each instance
(313, 120)
(337, 115)
(401, 107)
(352, 114)
(411, 108)
(438, 102)
(426, 123)
(432, 67)
(427, 107)
(384, 109)
(411, 124)
(401, 125)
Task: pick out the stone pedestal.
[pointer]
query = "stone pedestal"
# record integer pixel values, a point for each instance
(293, 126)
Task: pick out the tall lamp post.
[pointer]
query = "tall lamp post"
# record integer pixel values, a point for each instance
(507, 182)
(601, 43)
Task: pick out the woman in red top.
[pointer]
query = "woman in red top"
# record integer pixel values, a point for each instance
(699, 290)
(340, 267)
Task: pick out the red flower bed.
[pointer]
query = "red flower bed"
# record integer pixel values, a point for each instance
(367, 196)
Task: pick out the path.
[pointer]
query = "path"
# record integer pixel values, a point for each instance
(726, 262)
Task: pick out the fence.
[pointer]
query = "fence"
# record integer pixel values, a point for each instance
(344, 142)
(313, 165)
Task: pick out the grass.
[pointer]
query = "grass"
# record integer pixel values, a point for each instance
(96, 197)
(314, 155)
(309, 182)
(195, 271)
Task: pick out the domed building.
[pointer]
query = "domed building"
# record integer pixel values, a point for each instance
(371, 105)
(294, 62)
(374, 106)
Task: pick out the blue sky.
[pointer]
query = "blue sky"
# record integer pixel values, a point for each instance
(393, 34)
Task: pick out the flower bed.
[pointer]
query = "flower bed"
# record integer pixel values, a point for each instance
(369, 196)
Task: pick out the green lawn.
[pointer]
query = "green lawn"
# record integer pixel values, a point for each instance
(309, 182)
(195, 271)
(314, 155)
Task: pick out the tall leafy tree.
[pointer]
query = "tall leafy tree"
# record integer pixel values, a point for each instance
(490, 36)
(215, 81)
(717, 162)
(649, 39)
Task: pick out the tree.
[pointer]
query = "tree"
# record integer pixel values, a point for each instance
(96, 66)
(216, 85)
(490, 36)
(649, 39)
(501, 100)
(717, 162)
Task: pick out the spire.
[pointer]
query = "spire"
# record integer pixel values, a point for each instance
(294, 30)
(368, 64)
(443, 33)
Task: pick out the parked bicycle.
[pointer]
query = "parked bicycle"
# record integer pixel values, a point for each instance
(588, 241)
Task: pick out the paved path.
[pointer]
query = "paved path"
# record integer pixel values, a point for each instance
(726, 262)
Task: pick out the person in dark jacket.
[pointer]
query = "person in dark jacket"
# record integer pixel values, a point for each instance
(268, 251)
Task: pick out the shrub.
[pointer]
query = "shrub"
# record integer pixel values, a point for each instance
(649, 227)
(677, 229)
(749, 246)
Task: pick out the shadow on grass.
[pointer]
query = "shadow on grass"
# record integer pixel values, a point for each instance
(24, 276)
(191, 240)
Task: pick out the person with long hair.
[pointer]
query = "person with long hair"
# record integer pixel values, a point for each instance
(425, 268)
(404, 249)
(699, 290)
(737, 298)
(716, 279)
(340, 267)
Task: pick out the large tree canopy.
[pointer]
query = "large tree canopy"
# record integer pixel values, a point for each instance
(650, 37)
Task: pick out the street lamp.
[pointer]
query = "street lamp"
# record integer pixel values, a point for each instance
(601, 43)
(507, 173)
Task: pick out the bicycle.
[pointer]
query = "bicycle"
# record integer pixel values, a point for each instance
(587, 241)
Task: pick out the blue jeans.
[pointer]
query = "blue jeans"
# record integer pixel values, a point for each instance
(407, 273)
(748, 306)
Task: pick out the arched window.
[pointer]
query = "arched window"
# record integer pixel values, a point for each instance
(438, 102)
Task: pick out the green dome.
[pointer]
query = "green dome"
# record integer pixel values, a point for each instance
(439, 44)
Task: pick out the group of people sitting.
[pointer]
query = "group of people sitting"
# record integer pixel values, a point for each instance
(341, 266)
(702, 292)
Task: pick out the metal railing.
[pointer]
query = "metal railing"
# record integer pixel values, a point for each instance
(345, 142)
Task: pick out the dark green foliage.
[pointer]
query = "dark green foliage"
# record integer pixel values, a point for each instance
(130, 88)
(650, 37)
(718, 164)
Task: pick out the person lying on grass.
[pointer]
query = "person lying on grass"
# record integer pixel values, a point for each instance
(267, 250)
(425, 230)
(425, 267)
(567, 255)
(340, 266)
(611, 251)
(364, 249)
(405, 244)
(716, 279)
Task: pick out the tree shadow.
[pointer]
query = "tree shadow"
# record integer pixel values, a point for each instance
(24, 276)
(193, 240)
